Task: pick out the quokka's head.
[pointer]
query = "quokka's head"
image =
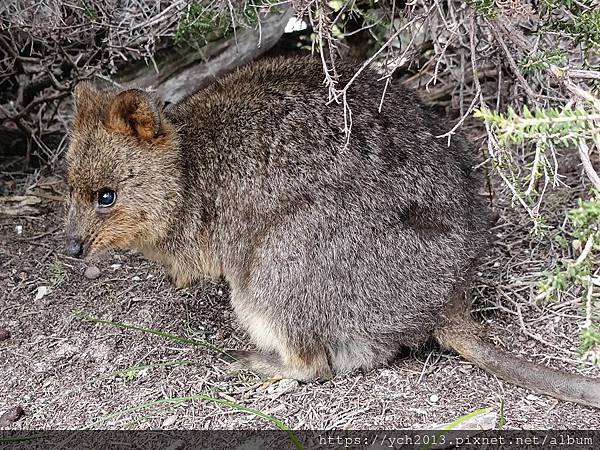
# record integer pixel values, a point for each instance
(122, 169)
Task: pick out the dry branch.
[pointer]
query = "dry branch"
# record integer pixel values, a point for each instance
(201, 68)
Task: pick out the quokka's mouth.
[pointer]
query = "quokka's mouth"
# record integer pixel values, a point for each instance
(87, 251)
(91, 250)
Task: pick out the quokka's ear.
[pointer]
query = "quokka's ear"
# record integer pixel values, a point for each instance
(133, 112)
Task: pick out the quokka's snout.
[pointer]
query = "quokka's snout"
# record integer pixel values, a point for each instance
(74, 246)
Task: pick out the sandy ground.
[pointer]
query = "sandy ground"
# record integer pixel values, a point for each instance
(68, 372)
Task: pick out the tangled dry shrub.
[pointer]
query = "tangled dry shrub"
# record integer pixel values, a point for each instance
(47, 47)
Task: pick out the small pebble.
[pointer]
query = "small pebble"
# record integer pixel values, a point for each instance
(11, 416)
(169, 421)
(41, 292)
(92, 272)
(434, 398)
(4, 334)
(288, 385)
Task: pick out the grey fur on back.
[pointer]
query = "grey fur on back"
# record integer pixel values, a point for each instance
(349, 250)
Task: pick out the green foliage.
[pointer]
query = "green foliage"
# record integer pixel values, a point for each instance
(537, 62)
(586, 28)
(565, 276)
(203, 23)
(487, 8)
(379, 25)
(578, 274)
(250, 10)
(250, 13)
(200, 25)
(89, 10)
(585, 218)
(58, 273)
(560, 126)
(565, 127)
(590, 344)
(573, 6)
(539, 129)
(582, 21)
(502, 418)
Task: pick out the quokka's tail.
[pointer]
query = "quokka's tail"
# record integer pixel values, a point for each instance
(462, 334)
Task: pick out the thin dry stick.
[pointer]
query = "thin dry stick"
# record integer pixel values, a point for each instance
(583, 148)
(368, 62)
(584, 155)
(588, 306)
(511, 61)
(584, 74)
(589, 244)
(335, 94)
(535, 336)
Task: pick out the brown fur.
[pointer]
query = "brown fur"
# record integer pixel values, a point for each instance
(337, 255)
(132, 113)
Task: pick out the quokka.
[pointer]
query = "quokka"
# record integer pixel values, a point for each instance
(338, 253)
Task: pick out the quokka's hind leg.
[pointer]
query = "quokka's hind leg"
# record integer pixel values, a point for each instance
(303, 366)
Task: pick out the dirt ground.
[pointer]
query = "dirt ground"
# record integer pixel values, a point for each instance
(68, 372)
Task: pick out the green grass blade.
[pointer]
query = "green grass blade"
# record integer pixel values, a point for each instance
(466, 417)
(202, 397)
(501, 419)
(170, 336)
(456, 423)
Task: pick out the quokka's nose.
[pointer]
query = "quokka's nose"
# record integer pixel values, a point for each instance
(74, 247)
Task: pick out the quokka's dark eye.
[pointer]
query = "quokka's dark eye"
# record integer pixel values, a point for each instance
(106, 198)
